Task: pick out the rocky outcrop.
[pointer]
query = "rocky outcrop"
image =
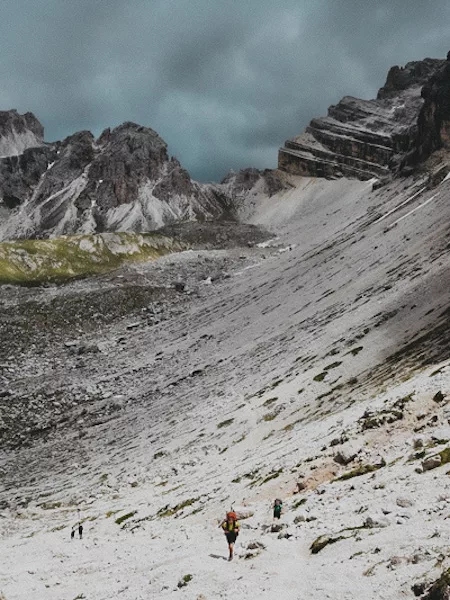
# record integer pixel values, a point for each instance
(269, 182)
(123, 181)
(365, 138)
(245, 189)
(19, 132)
(433, 131)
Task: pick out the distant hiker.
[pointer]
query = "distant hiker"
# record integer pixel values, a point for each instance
(277, 507)
(80, 531)
(72, 533)
(231, 528)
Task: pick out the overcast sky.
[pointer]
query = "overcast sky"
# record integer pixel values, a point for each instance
(224, 82)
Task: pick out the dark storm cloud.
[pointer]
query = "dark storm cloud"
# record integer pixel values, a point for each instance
(224, 82)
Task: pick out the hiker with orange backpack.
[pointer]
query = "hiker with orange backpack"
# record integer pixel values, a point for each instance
(231, 529)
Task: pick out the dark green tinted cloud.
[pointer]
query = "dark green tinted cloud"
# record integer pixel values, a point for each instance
(224, 82)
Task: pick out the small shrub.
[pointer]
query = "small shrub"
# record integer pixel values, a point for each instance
(270, 416)
(184, 580)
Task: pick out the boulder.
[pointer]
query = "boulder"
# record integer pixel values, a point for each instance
(404, 502)
(346, 454)
(373, 522)
(432, 462)
(244, 512)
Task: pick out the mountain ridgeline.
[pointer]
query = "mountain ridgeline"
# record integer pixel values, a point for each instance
(126, 181)
(391, 135)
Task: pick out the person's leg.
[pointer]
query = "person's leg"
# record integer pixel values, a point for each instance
(231, 548)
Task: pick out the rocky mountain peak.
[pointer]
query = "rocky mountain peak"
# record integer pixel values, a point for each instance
(415, 73)
(122, 181)
(363, 139)
(19, 132)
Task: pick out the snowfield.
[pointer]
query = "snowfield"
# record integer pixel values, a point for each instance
(319, 357)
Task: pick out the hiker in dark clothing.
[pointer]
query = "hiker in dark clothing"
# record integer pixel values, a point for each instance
(231, 529)
(277, 507)
(72, 533)
(80, 531)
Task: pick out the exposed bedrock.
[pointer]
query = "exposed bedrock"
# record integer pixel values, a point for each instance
(372, 138)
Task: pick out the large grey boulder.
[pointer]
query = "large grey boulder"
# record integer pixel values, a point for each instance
(346, 454)
(432, 462)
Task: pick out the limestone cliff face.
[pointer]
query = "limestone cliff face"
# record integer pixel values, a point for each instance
(433, 130)
(368, 138)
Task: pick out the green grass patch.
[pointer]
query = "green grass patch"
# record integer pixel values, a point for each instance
(320, 376)
(324, 540)
(298, 503)
(123, 518)
(271, 476)
(34, 262)
(437, 372)
(270, 416)
(168, 511)
(445, 456)
(252, 475)
(361, 470)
